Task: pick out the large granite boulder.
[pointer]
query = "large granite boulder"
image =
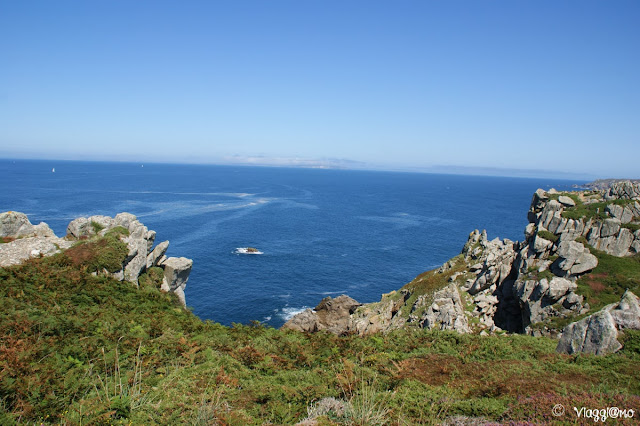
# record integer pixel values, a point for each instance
(627, 313)
(306, 321)
(17, 225)
(14, 225)
(26, 240)
(86, 227)
(595, 334)
(598, 333)
(610, 227)
(331, 314)
(623, 214)
(136, 260)
(16, 252)
(573, 259)
(566, 201)
(176, 274)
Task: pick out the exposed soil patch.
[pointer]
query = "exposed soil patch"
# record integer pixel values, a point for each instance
(595, 282)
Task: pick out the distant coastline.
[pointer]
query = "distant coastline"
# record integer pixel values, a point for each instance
(326, 164)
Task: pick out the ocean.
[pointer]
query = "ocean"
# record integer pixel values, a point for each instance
(322, 232)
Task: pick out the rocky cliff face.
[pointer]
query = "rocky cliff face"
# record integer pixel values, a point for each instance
(24, 240)
(506, 286)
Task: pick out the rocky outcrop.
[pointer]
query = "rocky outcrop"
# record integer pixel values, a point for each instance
(608, 228)
(382, 316)
(176, 274)
(445, 312)
(544, 299)
(493, 261)
(598, 333)
(157, 254)
(139, 239)
(15, 225)
(623, 190)
(27, 240)
(573, 259)
(605, 184)
(332, 315)
(502, 285)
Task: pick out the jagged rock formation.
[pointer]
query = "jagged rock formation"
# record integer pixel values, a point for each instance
(139, 241)
(382, 316)
(26, 240)
(445, 312)
(176, 274)
(602, 184)
(502, 285)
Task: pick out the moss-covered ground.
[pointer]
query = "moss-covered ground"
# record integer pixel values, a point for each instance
(77, 348)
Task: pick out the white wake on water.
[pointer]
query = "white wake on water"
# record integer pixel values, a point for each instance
(287, 313)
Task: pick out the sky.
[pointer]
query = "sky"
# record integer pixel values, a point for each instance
(547, 85)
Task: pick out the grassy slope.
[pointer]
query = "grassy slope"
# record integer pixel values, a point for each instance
(77, 348)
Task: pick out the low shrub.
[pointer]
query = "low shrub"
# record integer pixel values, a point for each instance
(548, 235)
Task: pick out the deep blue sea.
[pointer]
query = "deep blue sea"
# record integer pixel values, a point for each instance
(323, 232)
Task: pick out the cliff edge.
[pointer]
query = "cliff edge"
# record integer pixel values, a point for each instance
(21, 240)
(537, 286)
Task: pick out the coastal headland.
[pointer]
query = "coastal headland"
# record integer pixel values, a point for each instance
(94, 329)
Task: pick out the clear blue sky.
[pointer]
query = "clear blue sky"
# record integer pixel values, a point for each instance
(516, 84)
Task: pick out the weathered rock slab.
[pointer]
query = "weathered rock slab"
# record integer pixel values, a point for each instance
(16, 252)
(598, 333)
(176, 274)
(595, 334)
(156, 254)
(30, 240)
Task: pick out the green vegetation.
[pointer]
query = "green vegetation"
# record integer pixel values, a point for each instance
(426, 284)
(534, 274)
(97, 255)
(97, 227)
(548, 235)
(610, 279)
(582, 240)
(77, 348)
(631, 342)
(633, 227)
(152, 277)
(592, 210)
(118, 231)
